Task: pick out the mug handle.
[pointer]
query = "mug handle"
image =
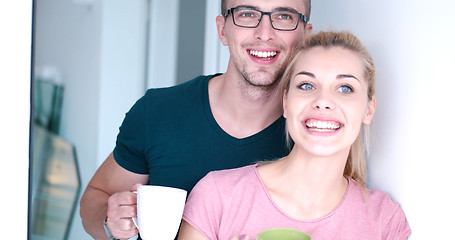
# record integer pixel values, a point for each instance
(135, 218)
(135, 222)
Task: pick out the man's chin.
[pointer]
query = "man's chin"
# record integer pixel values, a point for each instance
(263, 78)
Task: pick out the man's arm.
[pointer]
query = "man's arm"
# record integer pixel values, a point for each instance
(109, 194)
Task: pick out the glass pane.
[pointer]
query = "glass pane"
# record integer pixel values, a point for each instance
(55, 185)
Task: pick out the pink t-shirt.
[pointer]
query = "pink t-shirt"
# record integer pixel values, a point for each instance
(232, 202)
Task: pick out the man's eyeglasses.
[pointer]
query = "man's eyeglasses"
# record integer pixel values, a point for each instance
(250, 18)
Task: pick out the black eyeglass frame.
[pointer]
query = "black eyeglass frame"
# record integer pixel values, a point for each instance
(231, 10)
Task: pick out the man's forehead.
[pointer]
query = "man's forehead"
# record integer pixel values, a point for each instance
(269, 5)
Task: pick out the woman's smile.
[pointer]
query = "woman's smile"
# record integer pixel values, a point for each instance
(322, 126)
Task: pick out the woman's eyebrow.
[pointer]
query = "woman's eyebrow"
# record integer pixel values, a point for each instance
(306, 73)
(340, 76)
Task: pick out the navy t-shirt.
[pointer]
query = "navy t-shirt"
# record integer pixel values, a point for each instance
(171, 135)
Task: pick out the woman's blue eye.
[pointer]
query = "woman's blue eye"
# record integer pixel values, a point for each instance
(306, 86)
(345, 89)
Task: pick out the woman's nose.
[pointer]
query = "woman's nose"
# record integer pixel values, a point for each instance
(324, 102)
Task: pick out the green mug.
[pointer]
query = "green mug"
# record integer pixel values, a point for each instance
(282, 234)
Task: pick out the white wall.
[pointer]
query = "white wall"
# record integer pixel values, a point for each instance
(15, 73)
(162, 52)
(216, 56)
(122, 67)
(412, 45)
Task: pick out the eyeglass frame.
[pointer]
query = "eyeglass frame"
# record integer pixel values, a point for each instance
(231, 10)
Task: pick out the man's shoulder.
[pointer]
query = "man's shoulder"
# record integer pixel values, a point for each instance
(192, 91)
(190, 86)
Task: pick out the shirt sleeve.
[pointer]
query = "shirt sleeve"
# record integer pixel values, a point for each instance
(130, 144)
(203, 209)
(397, 227)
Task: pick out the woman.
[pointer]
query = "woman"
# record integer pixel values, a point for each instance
(319, 188)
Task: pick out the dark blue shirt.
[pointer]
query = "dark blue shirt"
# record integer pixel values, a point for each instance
(171, 135)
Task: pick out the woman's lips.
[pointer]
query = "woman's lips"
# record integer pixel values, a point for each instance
(322, 125)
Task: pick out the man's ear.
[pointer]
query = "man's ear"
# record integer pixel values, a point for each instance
(220, 26)
(308, 28)
(370, 111)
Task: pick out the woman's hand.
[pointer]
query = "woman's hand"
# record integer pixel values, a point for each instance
(241, 237)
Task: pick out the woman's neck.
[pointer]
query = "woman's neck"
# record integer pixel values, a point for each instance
(306, 188)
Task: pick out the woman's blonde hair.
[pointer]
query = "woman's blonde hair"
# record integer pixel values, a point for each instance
(356, 164)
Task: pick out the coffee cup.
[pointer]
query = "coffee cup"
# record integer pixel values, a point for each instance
(159, 211)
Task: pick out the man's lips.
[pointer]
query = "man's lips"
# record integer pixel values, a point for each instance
(263, 55)
(322, 125)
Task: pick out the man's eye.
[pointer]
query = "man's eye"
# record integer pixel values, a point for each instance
(247, 14)
(306, 86)
(345, 89)
(285, 16)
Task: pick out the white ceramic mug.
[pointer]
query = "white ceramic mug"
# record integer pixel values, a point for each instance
(159, 211)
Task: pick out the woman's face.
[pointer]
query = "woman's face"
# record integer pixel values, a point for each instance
(327, 101)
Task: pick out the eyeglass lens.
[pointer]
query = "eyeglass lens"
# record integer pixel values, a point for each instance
(283, 20)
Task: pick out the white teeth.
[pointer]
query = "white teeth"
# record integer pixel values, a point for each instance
(262, 54)
(322, 126)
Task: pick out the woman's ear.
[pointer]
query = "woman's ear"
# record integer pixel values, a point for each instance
(220, 25)
(370, 111)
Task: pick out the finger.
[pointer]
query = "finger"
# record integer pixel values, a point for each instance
(244, 237)
(123, 212)
(122, 228)
(122, 198)
(135, 186)
(241, 237)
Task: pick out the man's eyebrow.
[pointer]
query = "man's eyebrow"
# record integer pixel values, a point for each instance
(274, 10)
(340, 76)
(306, 73)
(290, 9)
(246, 6)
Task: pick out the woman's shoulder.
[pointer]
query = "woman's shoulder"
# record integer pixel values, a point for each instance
(223, 183)
(234, 175)
(374, 200)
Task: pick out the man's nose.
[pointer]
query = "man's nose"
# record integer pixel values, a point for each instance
(265, 31)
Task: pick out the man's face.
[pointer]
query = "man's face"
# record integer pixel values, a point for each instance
(260, 54)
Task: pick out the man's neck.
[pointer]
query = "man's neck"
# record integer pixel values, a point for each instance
(242, 111)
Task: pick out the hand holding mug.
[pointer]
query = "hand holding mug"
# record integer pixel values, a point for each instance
(121, 208)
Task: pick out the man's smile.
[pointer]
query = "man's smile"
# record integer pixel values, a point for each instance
(263, 54)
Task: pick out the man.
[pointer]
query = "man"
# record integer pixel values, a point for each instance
(174, 136)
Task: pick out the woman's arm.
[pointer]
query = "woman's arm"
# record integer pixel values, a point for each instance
(188, 232)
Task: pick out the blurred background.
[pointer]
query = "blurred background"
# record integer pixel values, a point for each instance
(92, 59)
